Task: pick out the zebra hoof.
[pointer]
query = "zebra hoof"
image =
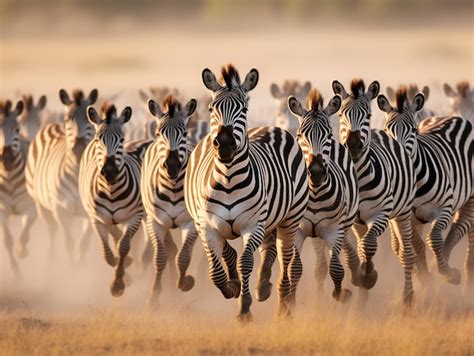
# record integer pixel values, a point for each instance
(264, 290)
(22, 252)
(245, 318)
(355, 279)
(284, 311)
(117, 288)
(342, 295)
(232, 289)
(368, 279)
(408, 299)
(453, 276)
(186, 283)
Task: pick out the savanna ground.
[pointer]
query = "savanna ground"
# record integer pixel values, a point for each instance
(54, 307)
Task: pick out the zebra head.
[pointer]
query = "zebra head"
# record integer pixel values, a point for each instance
(109, 139)
(171, 133)
(461, 100)
(229, 110)
(79, 130)
(315, 133)
(30, 119)
(284, 118)
(10, 143)
(401, 121)
(355, 115)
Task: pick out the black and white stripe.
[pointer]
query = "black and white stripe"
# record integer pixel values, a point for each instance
(412, 90)
(162, 188)
(333, 191)
(244, 183)
(109, 186)
(386, 183)
(14, 199)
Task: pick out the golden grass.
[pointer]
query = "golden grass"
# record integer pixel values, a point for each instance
(130, 332)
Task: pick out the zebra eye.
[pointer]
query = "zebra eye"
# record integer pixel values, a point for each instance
(210, 108)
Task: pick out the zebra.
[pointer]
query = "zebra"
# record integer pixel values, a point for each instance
(162, 188)
(14, 199)
(52, 168)
(245, 183)
(284, 119)
(31, 118)
(386, 183)
(412, 90)
(333, 190)
(443, 157)
(109, 186)
(461, 100)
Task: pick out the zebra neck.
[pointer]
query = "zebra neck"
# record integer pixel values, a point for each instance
(111, 187)
(363, 165)
(239, 165)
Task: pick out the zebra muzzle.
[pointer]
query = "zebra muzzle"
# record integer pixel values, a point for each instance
(316, 169)
(8, 157)
(225, 142)
(110, 170)
(354, 143)
(172, 164)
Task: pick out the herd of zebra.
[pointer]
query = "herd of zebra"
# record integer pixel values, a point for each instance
(219, 180)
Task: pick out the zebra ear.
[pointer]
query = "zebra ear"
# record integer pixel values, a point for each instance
(295, 107)
(418, 102)
(64, 97)
(41, 102)
(449, 91)
(19, 108)
(251, 80)
(333, 106)
(93, 96)
(384, 104)
(190, 108)
(305, 89)
(155, 109)
(209, 80)
(93, 116)
(144, 96)
(426, 92)
(125, 115)
(275, 91)
(338, 88)
(374, 89)
(390, 94)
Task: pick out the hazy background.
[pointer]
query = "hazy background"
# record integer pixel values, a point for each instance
(120, 46)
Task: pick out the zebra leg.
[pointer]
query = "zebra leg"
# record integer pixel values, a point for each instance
(268, 255)
(394, 243)
(321, 268)
(461, 226)
(156, 234)
(295, 268)
(183, 258)
(8, 240)
(117, 234)
(367, 246)
(336, 270)
(29, 218)
(102, 231)
(285, 249)
(52, 227)
(214, 246)
(435, 242)
(229, 255)
(85, 240)
(172, 251)
(350, 258)
(421, 265)
(401, 225)
(147, 253)
(469, 265)
(118, 286)
(245, 266)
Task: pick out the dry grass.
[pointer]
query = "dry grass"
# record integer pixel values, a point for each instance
(126, 332)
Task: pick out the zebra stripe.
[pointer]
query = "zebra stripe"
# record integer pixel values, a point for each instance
(443, 156)
(412, 90)
(386, 183)
(333, 191)
(244, 183)
(14, 199)
(162, 189)
(52, 167)
(109, 187)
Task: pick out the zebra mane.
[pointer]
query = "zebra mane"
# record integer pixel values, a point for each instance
(314, 100)
(357, 87)
(230, 76)
(170, 105)
(78, 96)
(401, 98)
(28, 100)
(463, 88)
(109, 111)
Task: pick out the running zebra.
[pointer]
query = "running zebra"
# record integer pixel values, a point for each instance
(443, 157)
(30, 120)
(244, 183)
(52, 168)
(333, 190)
(386, 183)
(461, 100)
(109, 186)
(412, 90)
(162, 189)
(284, 119)
(14, 199)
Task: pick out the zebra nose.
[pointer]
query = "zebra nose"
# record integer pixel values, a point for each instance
(172, 164)
(354, 143)
(7, 157)
(110, 169)
(225, 137)
(316, 169)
